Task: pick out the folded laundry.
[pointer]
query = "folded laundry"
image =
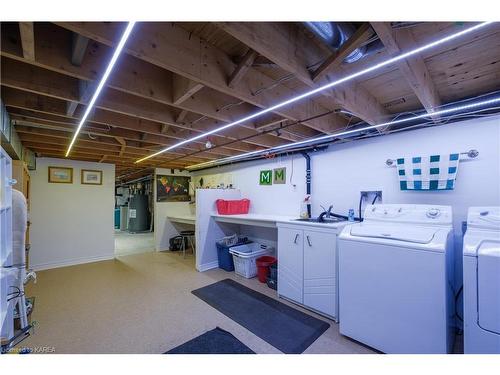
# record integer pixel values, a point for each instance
(434, 172)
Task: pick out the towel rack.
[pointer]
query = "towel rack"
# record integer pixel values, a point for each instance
(470, 154)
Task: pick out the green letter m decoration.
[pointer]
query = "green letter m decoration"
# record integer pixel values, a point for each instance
(266, 177)
(279, 176)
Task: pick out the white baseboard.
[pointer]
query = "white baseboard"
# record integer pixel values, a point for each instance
(70, 262)
(207, 266)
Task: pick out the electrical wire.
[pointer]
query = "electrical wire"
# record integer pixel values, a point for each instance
(291, 173)
(457, 296)
(360, 204)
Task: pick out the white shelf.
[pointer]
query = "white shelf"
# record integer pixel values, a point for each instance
(258, 220)
(183, 219)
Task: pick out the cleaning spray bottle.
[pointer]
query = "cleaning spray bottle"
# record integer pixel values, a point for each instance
(304, 213)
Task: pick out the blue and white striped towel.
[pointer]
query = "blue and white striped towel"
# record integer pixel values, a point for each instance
(434, 172)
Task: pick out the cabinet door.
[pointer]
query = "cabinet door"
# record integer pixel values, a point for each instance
(320, 283)
(290, 264)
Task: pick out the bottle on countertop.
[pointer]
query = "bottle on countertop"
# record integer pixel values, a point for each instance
(350, 216)
(304, 213)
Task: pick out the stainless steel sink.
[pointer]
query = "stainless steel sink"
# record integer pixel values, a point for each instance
(324, 221)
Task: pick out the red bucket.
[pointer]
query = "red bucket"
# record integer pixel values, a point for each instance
(263, 263)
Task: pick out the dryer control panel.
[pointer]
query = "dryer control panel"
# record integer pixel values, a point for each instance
(484, 218)
(409, 213)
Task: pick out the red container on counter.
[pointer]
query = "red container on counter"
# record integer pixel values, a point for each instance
(232, 207)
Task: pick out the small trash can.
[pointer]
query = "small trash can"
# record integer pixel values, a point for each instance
(272, 279)
(263, 264)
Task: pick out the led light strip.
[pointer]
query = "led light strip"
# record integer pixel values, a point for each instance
(104, 78)
(459, 108)
(324, 87)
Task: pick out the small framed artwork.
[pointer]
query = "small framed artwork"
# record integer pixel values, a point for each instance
(61, 175)
(91, 177)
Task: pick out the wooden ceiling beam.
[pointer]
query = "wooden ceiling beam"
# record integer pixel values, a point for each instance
(183, 88)
(175, 49)
(135, 77)
(37, 80)
(292, 51)
(181, 116)
(242, 68)
(31, 137)
(49, 153)
(412, 68)
(27, 40)
(336, 58)
(44, 82)
(22, 116)
(78, 49)
(39, 127)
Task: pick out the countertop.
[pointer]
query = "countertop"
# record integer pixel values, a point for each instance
(272, 220)
(187, 219)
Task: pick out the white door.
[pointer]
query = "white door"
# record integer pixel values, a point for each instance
(319, 272)
(290, 263)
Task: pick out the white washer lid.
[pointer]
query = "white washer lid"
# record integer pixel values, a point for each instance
(405, 233)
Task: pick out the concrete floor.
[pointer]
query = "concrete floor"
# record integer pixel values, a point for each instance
(133, 243)
(142, 303)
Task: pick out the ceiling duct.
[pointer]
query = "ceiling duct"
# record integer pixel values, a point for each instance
(335, 34)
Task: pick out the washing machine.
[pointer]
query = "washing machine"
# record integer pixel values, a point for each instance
(396, 279)
(481, 264)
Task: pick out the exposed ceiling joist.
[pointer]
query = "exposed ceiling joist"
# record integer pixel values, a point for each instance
(27, 40)
(135, 77)
(183, 88)
(177, 50)
(21, 76)
(242, 68)
(336, 58)
(85, 89)
(31, 135)
(78, 49)
(31, 107)
(292, 51)
(181, 116)
(413, 68)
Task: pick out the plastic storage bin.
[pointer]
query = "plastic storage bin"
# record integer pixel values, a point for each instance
(225, 259)
(232, 207)
(244, 257)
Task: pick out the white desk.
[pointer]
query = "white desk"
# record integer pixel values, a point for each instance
(183, 219)
(257, 220)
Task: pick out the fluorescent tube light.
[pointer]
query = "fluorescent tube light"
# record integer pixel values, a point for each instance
(457, 108)
(104, 78)
(325, 87)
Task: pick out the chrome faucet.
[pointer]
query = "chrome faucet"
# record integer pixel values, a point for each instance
(326, 213)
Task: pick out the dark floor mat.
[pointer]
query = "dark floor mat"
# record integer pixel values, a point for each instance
(216, 341)
(285, 328)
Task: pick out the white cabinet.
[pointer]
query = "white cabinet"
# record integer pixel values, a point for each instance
(307, 267)
(291, 264)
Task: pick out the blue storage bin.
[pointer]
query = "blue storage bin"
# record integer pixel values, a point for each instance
(226, 259)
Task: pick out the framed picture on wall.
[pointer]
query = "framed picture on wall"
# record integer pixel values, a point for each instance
(91, 177)
(172, 188)
(61, 175)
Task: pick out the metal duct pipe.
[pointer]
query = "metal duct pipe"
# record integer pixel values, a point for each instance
(335, 34)
(308, 179)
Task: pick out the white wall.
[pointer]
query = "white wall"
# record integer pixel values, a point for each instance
(71, 223)
(339, 173)
(164, 230)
